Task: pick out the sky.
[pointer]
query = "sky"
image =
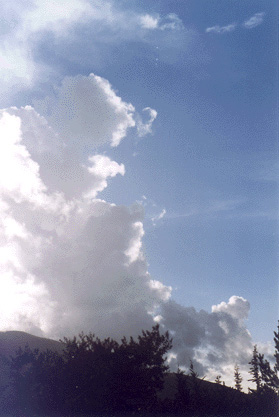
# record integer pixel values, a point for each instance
(138, 173)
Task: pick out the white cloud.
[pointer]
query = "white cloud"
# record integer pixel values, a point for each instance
(19, 174)
(54, 16)
(82, 259)
(168, 22)
(149, 22)
(24, 21)
(251, 23)
(162, 214)
(221, 29)
(159, 216)
(171, 22)
(254, 21)
(237, 307)
(163, 290)
(79, 257)
(102, 168)
(145, 128)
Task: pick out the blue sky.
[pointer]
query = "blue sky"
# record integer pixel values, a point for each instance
(203, 167)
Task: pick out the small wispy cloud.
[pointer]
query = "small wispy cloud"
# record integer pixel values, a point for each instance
(254, 21)
(159, 216)
(172, 22)
(221, 29)
(212, 208)
(250, 23)
(145, 128)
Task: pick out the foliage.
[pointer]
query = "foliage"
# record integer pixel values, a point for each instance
(218, 379)
(106, 377)
(254, 370)
(237, 378)
(265, 376)
(92, 375)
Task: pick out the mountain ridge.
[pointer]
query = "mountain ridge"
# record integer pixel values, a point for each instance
(12, 340)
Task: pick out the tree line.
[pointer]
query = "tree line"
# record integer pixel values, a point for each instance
(127, 378)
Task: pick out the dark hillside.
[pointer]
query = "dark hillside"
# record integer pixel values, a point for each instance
(184, 395)
(170, 387)
(10, 341)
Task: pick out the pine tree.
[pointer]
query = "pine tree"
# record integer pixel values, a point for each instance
(264, 374)
(254, 370)
(193, 373)
(182, 394)
(276, 354)
(218, 380)
(237, 378)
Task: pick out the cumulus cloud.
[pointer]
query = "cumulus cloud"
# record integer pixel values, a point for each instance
(87, 111)
(221, 29)
(254, 21)
(68, 261)
(237, 307)
(212, 340)
(103, 167)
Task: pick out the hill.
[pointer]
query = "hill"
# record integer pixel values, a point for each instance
(10, 341)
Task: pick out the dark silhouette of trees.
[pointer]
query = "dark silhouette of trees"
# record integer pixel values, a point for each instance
(109, 378)
(237, 378)
(218, 379)
(91, 375)
(36, 380)
(183, 396)
(254, 370)
(141, 366)
(266, 395)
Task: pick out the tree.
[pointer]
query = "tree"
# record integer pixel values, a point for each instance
(218, 379)
(89, 362)
(276, 353)
(92, 375)
(36, 381)
(193, 373)
(254, 370)
(265, 397)
(198, 397)
(140, 369)
(237, 378)
(182, 398)
(269, 375)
